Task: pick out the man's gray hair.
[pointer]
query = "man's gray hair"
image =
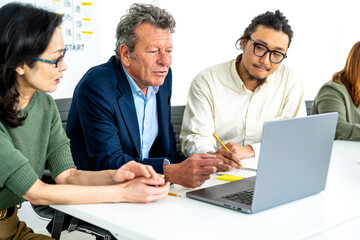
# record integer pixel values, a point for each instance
(136, 15)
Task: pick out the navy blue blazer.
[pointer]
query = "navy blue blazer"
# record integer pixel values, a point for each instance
(102, 123)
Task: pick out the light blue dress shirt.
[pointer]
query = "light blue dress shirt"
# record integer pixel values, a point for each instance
(146, 111)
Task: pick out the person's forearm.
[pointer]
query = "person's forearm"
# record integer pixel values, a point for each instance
(46, 194)
(93, 178)
(347, 131)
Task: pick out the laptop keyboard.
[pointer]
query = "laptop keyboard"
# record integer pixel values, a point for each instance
(241, 197)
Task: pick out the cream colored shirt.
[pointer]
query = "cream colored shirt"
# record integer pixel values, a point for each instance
(218, 102)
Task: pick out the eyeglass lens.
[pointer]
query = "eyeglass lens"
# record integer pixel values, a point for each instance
(260, 51)
(59, 61)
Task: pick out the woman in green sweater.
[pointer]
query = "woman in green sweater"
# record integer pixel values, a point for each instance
(342, 95)
(32, 63)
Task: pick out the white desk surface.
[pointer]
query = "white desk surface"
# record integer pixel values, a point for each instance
(348, 230)
(184, 218)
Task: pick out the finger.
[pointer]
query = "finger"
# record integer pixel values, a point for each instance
(231, 163)
(201, 178)
(163, 195)
(139, 169)
(151, 194)
(196, 183)
(151, 181)
(203, 156)
(232, 146)
(156, 191)
(121, 175)
(222, 157)
(208, 162)
(221, 169)
(206, 170)
(229, 154)
(229, 158)
(152, 172)
(227, 161)
(225, 167)
(127, 174)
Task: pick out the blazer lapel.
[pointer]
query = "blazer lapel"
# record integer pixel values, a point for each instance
(162, 108)
(127, 108)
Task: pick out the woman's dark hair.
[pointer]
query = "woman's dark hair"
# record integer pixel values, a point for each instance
(25, 33)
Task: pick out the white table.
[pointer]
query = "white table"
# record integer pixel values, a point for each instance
(348, 230)
(184, 218)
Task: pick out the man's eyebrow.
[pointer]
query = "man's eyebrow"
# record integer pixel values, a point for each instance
(265, 43)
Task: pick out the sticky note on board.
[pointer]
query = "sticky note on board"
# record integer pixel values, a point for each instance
(229, 178)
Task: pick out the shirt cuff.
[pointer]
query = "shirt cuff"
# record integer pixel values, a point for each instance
(22, 180)
(156, 163)
(256, 148)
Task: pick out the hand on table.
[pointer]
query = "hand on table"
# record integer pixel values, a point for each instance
(232, 158)
(193, 171)
(144, 190)
(133, 170)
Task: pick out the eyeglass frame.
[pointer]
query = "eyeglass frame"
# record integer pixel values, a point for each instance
(51, 61)
(267, 50)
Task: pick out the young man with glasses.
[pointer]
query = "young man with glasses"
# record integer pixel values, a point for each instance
(234, 99)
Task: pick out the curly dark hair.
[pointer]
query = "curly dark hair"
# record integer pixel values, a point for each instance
(276, 21)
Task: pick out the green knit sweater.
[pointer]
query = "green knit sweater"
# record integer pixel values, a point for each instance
(25, 149)
(334, 97)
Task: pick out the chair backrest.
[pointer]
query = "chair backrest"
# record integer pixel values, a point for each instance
(47, 213)
(177, 113)
(308, 104)
(63, 105)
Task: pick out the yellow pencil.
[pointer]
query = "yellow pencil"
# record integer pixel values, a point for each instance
(174, 194)
(222, 144)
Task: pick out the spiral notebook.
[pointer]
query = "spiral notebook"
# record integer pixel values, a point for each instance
(293, 163)
(248, 169)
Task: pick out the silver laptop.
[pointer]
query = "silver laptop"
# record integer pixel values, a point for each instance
(293, 163)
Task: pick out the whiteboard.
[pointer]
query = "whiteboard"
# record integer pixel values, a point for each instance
(80, 29)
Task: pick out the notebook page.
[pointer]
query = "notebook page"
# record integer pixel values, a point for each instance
(249, 168)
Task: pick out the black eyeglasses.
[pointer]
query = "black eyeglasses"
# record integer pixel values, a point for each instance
(58, 61)
(261, 50)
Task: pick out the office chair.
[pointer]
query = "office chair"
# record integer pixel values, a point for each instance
(44, 211)
(177, 113)
(47, 213)
(64, 107)
(308, 104)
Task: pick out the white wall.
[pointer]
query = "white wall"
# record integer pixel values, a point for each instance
(206, 32)
(324, 32)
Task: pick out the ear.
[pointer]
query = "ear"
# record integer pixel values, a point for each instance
(125, 55)
(20, 70)
(243, 42)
